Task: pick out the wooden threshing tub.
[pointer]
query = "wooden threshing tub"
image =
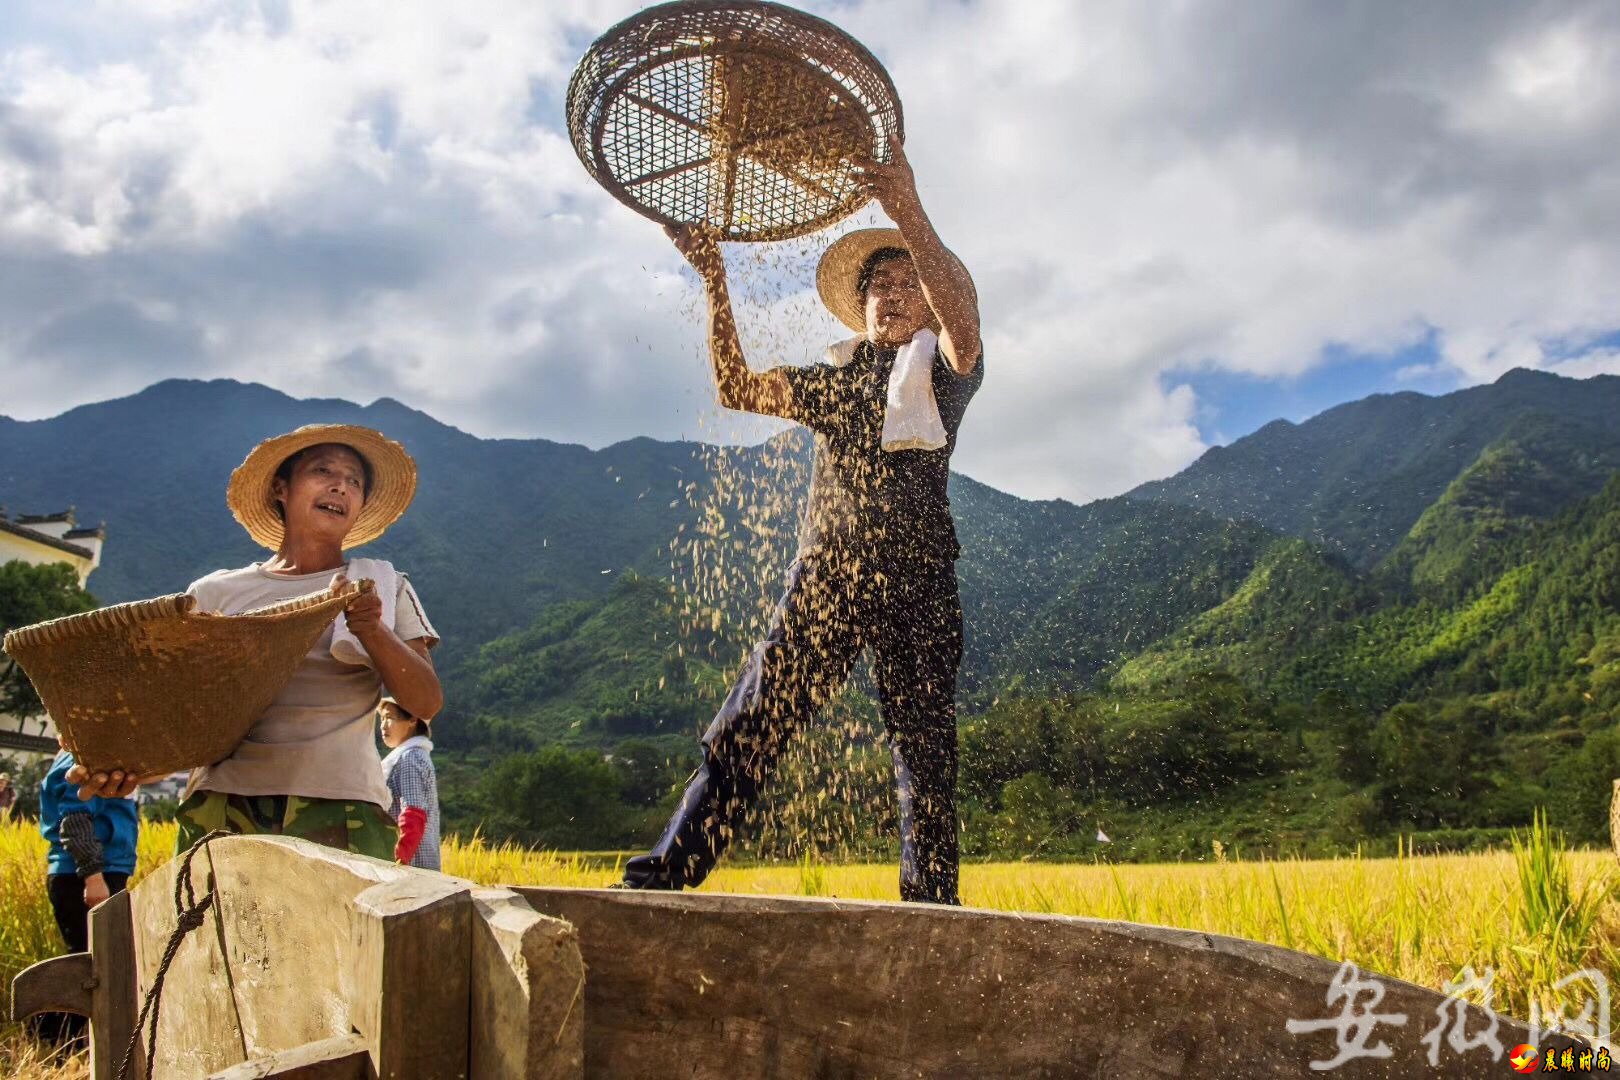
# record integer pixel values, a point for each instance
(318, 964)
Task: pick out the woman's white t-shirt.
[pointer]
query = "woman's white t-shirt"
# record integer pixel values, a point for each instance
(316, 739)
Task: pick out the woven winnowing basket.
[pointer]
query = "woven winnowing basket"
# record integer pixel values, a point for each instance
(737, 114)
(155, 687)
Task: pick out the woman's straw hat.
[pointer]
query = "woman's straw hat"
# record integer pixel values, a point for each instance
(839, 272)
(393, 482)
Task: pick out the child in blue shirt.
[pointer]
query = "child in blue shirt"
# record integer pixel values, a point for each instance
(92, 850)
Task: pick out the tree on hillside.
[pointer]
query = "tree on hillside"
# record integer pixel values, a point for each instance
(1435, 763)
(555, 797)
(31, 594)
(1349, 732)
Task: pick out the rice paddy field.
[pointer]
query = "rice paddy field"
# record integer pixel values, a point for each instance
(1532, 914)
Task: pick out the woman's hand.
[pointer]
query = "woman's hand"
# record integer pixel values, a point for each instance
(363, 612)
(116, 784)
(700, 246)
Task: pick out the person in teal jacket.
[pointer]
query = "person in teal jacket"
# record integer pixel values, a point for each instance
(92, 855)
(92, 850)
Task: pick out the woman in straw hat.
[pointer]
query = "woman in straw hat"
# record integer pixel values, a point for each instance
(309, 766)
(877, 547)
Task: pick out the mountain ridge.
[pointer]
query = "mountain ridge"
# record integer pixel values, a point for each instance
(503, 527)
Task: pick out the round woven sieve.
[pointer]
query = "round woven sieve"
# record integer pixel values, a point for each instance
(738, 114)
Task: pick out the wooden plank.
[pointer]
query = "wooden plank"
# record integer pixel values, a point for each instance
(61, 984)
(716, 986)
(528, 993)
(306, 943)
(412, 962)
(341, 1058)
(197, 1029)
(114, 1005)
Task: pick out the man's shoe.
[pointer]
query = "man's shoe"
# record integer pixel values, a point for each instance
(649, 872)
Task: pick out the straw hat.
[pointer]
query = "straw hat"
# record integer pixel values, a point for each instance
(393, 482)
(839, 272)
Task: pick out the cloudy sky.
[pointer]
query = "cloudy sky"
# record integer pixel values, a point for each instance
(1186, 218)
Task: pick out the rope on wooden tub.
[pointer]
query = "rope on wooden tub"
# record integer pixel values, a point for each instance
(189, 914)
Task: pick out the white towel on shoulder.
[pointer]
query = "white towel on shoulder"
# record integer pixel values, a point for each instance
(346, 648)
(911, 415)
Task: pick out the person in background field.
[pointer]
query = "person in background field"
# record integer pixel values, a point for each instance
(91, 856)
(408, 768)
(309, 766)
(8, 797)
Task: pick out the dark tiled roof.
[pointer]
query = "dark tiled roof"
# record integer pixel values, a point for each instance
(36, 744)
(45, 538)
(99, 533)
(47, 519)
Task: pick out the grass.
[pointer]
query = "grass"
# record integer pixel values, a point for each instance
(1533, 914)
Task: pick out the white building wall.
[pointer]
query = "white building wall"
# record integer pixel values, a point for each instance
(35, 553)
(14, 547)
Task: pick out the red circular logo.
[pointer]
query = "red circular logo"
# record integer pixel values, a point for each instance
(1523, 1058)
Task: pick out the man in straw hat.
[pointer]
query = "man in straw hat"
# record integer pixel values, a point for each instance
(877, 546)
(309, 767)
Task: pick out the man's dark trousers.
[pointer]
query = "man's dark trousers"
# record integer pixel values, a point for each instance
(835, 606)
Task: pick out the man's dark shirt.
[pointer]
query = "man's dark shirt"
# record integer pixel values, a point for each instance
(886, 506)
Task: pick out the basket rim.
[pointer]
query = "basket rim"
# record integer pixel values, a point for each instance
(113, 616)
(598, 80)
(658, 12)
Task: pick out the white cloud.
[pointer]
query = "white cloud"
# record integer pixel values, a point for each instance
(1596, 362)
(377, 198)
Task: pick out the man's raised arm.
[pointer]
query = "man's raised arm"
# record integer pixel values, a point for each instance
(738, 385)
(945, 282)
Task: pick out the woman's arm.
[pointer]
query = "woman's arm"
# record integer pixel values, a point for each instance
(738, 385)
(404, 666)
(407, 672)
(945, 281)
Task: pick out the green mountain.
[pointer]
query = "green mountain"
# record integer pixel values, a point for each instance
(1538, 467)
(1131, 573)
(592, 672)
(1182, 679)
(500, 528)
(1334, 628)
(1499, 587)
(504, 531)
(1356, 478)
